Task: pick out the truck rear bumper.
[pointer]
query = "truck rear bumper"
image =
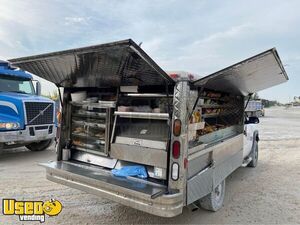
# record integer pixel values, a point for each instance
(30, 134)
(136, 193)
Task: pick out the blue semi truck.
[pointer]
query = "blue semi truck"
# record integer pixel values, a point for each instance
(26, 118)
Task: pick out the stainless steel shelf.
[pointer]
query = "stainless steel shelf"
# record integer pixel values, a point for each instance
(91, 115)
(84, 148)
(98, 152)
(90, 124)
(143, 115)
(102, 140)
(205, 106)
(147, 95)
(97, 105)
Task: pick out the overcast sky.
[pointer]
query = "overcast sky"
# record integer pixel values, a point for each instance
(196, 36)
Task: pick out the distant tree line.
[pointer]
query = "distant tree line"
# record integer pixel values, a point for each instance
(268, 103)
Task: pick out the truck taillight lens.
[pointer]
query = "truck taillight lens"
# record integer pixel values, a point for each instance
(176, 149)
(58, 116)
(175, 171)
(177, 127)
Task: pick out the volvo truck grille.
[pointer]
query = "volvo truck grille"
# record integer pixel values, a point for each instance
(39, 113)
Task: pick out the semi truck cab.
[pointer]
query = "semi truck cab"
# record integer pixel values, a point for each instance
(26, 119)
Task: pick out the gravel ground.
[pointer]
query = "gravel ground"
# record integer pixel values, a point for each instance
(267, 194)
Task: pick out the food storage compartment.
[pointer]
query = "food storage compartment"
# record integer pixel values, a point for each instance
(141, 129)
(217, 116)
(88, 135)
(149, 133)
(90, 124)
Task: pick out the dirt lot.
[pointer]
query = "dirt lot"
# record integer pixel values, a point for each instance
(269, 193)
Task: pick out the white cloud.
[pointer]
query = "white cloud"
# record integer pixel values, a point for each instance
(76, 20)
(232, 32)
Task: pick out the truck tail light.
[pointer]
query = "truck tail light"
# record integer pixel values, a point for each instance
(176, 149)
(177, 127)
(175, 171)
(58, 117)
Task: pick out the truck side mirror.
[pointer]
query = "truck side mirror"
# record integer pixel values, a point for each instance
(38, 88)
(252, 119)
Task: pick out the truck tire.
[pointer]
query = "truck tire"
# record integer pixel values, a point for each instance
(39, 146)
(214, 200)
(254, 154)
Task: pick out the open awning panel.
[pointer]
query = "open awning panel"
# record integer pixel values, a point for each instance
(106, 65)
(248, 76)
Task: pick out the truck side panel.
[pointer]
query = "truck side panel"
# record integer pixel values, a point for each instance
(226, 157)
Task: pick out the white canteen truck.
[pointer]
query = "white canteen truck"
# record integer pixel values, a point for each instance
(121, 110)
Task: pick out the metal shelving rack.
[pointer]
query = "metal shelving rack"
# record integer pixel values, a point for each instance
(91, 120)
(225, 111)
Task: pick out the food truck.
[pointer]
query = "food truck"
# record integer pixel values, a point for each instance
(182, 137)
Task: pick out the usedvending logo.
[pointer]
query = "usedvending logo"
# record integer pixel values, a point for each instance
(31, 210)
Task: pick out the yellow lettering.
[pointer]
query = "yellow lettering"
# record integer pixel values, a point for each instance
(19, 208)
(28, 208)
(38, 208)
(8, 206)
(13, 207)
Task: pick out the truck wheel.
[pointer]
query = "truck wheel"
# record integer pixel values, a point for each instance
(39, 146)
(214, 200)
(254, 155)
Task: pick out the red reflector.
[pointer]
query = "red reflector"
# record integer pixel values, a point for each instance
(176, 149)
(185, 163)
(174, 75)
(177, 127)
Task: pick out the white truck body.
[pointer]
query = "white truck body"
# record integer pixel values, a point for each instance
(189, 135)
